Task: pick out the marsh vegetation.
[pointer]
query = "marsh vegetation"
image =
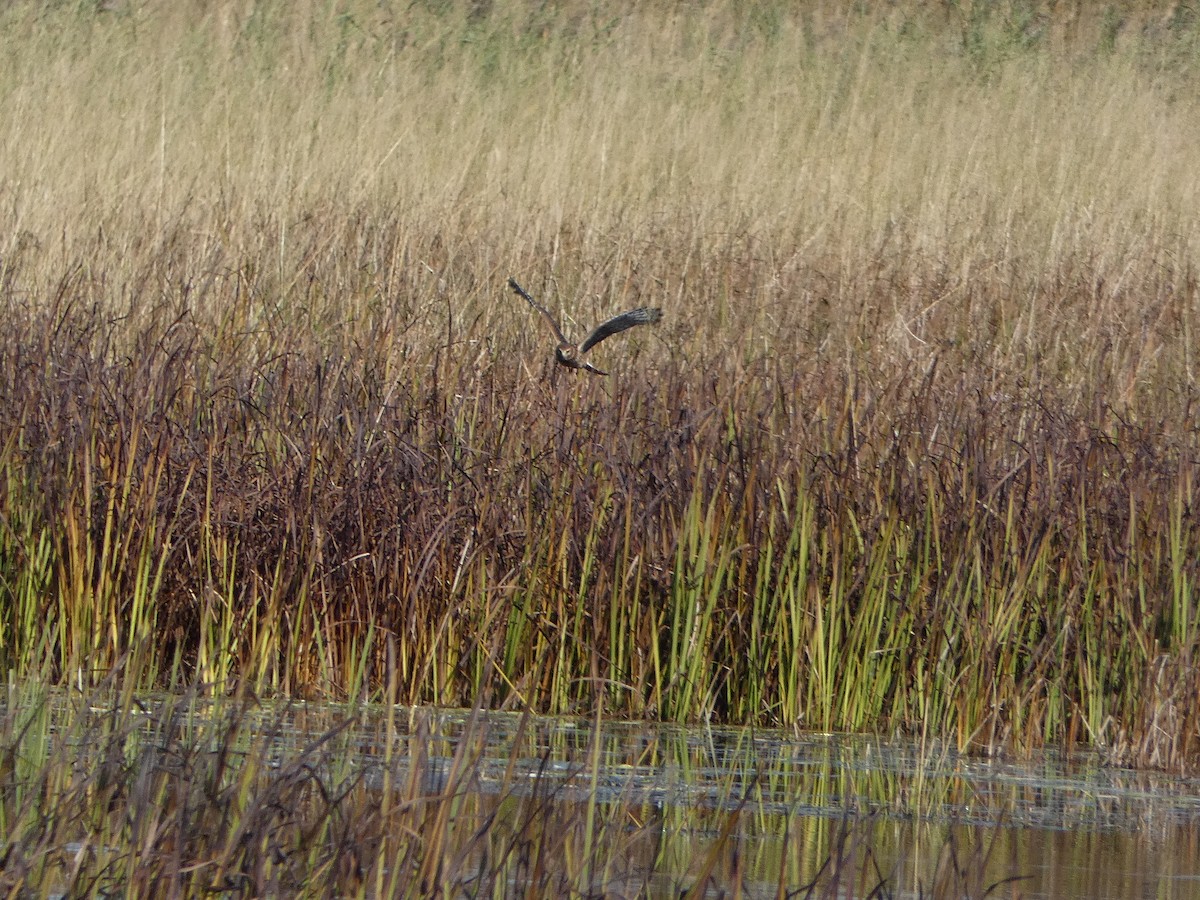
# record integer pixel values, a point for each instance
(914, 448)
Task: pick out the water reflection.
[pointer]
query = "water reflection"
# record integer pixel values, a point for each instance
(1067, 827)
(652, 810)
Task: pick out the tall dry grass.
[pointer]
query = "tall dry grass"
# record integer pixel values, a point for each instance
(914, 446)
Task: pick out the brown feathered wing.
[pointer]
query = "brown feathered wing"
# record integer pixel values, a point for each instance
(643, 315)
(562, 339)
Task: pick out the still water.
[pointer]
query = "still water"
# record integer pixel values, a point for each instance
(774, 808)
(657, 810)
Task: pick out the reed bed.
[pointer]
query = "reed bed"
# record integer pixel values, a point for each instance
(913, 449)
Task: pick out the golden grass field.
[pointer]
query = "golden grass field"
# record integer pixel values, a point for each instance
(914, 448)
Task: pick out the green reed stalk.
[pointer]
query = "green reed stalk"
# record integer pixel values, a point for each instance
(702, 566)
(1184, 627)
(27, 555)
(792, 588)
(624, 604)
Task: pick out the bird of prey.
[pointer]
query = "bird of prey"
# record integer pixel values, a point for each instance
(567, 353)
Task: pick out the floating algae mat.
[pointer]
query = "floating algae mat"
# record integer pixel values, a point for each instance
(246, 799)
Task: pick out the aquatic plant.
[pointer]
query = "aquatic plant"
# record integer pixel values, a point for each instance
(912, 449)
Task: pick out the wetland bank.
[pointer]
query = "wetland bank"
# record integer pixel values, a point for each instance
(913, 450)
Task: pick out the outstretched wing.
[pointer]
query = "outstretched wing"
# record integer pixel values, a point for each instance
(512, 283)
(643, 315)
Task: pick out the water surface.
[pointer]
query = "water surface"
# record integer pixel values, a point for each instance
(666, 808)
(1060, 826)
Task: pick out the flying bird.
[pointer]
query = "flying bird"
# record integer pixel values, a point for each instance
(567, 353)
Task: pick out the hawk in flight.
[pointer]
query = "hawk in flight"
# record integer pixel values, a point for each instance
(568, 353)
